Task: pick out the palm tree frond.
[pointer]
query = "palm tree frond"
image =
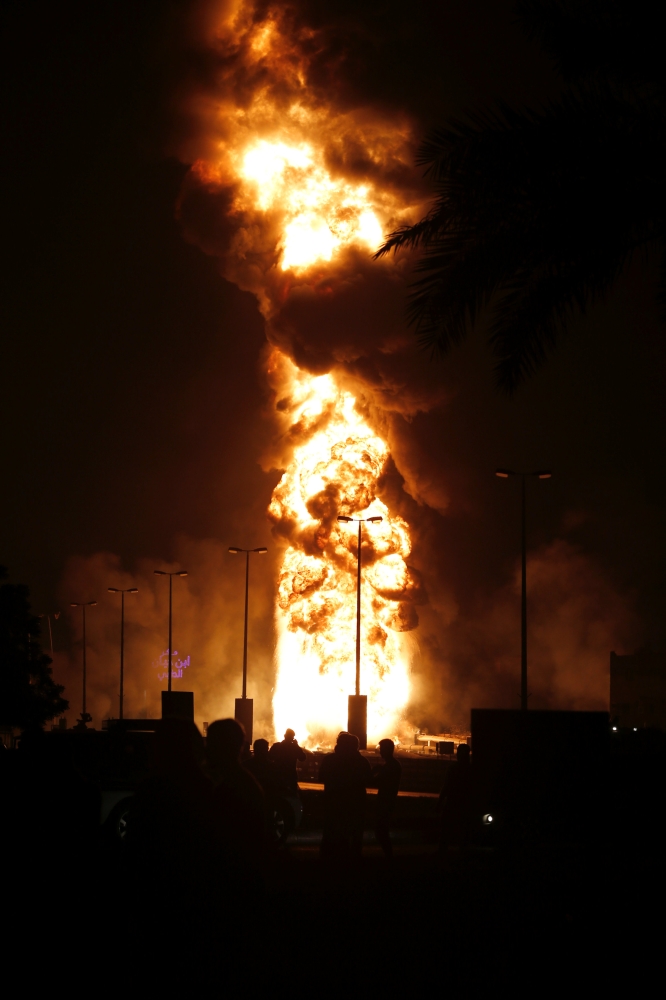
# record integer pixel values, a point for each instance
(536, 213)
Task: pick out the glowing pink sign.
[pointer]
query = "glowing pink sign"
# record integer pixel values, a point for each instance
(161, 664)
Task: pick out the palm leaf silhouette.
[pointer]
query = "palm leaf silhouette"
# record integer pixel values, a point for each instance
(538, 212)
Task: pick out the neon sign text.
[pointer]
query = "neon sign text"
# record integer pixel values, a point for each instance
(161, 664)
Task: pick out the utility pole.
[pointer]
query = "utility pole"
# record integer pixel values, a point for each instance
(244, 706)
(504, 474)
(357, 709)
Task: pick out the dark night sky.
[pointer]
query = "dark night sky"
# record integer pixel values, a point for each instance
(131, 392)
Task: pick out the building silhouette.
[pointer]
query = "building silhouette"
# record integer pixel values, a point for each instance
(638, 690)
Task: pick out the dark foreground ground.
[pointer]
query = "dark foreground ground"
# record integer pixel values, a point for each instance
(542, 920)
(522, 914)
(538, 919)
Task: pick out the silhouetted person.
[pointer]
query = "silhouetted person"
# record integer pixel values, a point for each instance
(238, 797)
(455, 801)
(388, 784)
(169, 833)
(346, 775)
(285, 755)
(263, 767)
(266, 772)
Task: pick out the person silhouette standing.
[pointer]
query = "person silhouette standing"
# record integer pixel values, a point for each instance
(266, 773)
(388, 783)
(285, 756)
(238, 798)
(263, 768)
(169, 834)
(345, 774)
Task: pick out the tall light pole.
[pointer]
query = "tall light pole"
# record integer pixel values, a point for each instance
(542, 474)
(357, 712)
(163, 572)
(245, 706)
(117, 590)
(84, 604)
(56, 615)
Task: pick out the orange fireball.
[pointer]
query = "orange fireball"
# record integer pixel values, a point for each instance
(308, 191)
(336, 470)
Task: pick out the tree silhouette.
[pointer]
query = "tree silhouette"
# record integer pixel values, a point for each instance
(28, 694)
(538, 212)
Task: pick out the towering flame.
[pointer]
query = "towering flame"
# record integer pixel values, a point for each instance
(320, 214)
(309, 189)
(336, 470)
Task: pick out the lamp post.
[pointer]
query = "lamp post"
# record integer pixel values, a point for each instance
(163, 572)
(56, 615)
(541, 474)
(357, 712)
(84, 714)
(117, 590)
(244, 710)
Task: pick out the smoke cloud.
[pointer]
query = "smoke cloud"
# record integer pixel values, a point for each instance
(575, 617)
(316, 77)
(460, 657)
(327, 76)
(207, 628)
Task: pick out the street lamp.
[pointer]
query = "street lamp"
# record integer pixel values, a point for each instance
(163, 572)
(245, 706)
(357, 712)
(541, 474)
(56, 615)
(84, 714)
(117, 590)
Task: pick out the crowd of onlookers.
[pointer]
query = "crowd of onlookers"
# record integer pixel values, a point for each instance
(208, 810)
(218, 802)
(200, 880)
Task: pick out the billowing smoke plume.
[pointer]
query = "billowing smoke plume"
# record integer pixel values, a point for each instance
(295, 178)
(293, 185)
(301, 134)
(301, 161)
(207, 633)
(575, 616)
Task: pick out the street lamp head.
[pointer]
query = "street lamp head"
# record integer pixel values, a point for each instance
(133, 590)
(262, 550)
(544, 474)
(73, 605)
(92, 604)
(503, 473)
(182, 572)
(159, 572)
(234, 550)
(343, 517)
(374, 519)
(113, 590)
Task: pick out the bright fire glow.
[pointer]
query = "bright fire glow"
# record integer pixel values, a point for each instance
(336, 470)
(308, 184)
(320, 213)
